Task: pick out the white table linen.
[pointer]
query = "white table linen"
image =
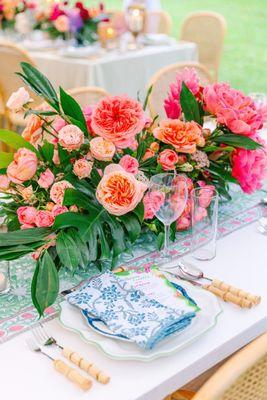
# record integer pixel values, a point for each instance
(117, 72)
(241, 260)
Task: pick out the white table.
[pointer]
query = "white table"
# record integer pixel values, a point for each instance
(118, 73)
(241, 260)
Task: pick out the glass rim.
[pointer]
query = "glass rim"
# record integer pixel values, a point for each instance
(167, 173)
(195, 191)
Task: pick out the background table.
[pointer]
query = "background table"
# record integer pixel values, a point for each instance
(118, 73)
(241, 260)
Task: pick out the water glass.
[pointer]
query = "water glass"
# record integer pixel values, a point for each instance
(260, 99)
(204, 219)
(4, 277)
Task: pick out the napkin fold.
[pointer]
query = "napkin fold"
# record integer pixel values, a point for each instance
(127, 311)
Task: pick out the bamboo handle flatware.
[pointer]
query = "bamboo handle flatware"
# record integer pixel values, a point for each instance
(236, 291)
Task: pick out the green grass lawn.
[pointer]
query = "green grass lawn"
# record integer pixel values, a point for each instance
(244, 62)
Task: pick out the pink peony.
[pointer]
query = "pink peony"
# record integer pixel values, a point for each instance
(167, 159)
(57, 191)
(249, 168)
(18, 99)
(232, 108)
(82, 168)
(46, 179)
(62, 23)
(26, 215)
(130, 164)
(44, 219)
(70, 137)
(118, 119)
(4, 182)
(102, 149)
(57, 210)
(118, 191)
(23, 167)
(172, 103)
(152, 203)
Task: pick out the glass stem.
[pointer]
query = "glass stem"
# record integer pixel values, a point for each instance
(166, 240)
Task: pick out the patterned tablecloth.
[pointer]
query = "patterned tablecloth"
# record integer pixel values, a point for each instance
(17, 313)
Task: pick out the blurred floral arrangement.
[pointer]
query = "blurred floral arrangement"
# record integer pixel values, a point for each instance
(77, 183)
(66, 21)
(9, 10)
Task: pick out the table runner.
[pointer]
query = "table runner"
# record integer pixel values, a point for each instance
(17, 313)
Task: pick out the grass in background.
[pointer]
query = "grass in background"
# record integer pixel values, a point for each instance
(244, 62)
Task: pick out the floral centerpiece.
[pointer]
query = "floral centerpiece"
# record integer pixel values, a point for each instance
(78, 180)
(65, 21)
(9, 9)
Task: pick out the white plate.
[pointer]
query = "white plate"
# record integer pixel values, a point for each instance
(72, 319)
(157, 39)
(79, 52)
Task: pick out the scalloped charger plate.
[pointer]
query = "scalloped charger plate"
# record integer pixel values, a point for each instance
(71, 318)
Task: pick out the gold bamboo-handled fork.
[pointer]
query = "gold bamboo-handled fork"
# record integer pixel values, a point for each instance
(44, 338)
(70, 373)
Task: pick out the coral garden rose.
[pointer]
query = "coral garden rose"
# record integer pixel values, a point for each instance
(167, 159)
(26, 215)
(4, 182)
(70, 137)
(82, 168)
(102, 149)
(62, 23)
(232, 108)
(23, 167)
(249, 168)
(172, 103)
(33, 130)
(152, 203)
(118, 191)
(57, 210)
(129, 163)
(118, 119)
(46, 179)
(57, 191)
(44, 219)
(183, 136)
(18, 99)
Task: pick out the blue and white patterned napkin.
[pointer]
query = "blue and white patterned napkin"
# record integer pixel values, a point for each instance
(128, 311)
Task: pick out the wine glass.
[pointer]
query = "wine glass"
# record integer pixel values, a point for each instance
(168, 194)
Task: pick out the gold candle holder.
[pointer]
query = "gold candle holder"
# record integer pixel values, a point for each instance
(106, 34)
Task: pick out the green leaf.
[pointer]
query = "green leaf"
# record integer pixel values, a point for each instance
(72, 109)
(82, 246)
(15, 252)
(45, 284)
(71, 219)
(67, 250)
(40, 112)
(73, 196)
(132, 225)
(47, 151)
(5, 159)
(141, 150)
(16, 141)
(235, 140)
(147, 97)
(24, 236)
(189, 105)
(139, 211)
(160, 240)
(81, 185)
(64, 156)
(95, 177)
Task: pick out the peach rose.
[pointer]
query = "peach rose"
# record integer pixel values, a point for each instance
(148, 154)
(167, 159)
(4, 182)
(26, 215)
(33, 130)
(57, 210)
(18, 99)
(70, 137)
(82, 168)
(154, 147)
(119, 192)
(184, 136)
(62, 23)
(101, 149)
(46, 179)
(57, 191)
(118, 119)
(74, 208)
(44, 219)
(23, 167)
(49, 206)
(130, 164)
(26, 193)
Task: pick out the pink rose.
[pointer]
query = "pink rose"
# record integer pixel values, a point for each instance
(199, 214)
(172, 103)
(249, 168)
(82, 168)
(57, 210)
(118, 191)
(58, 123)
(4, 182)
(232, 108)
(26, 226)
(167, 159)
(152, 203)
(184, 221)
(44, 219)
(62, 23)
(18, 99)
(33, 132)
(23, 167)
(130, 164)
(205, 195)
(57, 191)
(26, 215)
(70, 137)
(87, 112)
(46, 179)
(102, 149)
(118, 119)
